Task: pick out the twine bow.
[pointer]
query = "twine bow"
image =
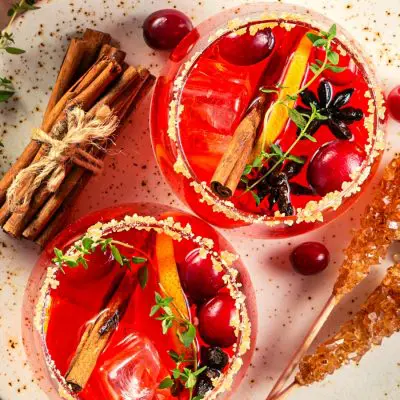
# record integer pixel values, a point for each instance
(82, 132)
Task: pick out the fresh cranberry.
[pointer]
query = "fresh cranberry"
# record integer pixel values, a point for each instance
(310, 258)
(200, 279)
(164, 29)
(393, 102)
(333, 164)
(246, 49)
(215, 321)
(100, 264)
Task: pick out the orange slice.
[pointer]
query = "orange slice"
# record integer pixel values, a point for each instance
(168, 273)
(276, 120)
(171, 284)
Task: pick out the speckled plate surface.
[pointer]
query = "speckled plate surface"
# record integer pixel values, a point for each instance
(287, 302)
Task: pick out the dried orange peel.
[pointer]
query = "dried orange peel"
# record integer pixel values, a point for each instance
(278, 115)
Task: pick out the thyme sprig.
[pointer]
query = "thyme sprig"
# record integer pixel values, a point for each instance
(89, 245)
(6, 89)
(7, 43)
(186, 332)
(302, 121)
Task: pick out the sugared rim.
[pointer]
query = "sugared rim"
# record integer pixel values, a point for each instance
(221, 260)
(373, 122)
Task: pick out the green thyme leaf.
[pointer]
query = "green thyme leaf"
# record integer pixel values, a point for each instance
(333, 57)
(87, 243)
(276, 149)
(247, 169)
(175, 356)
(264, 90)
(256, 198)
(309, 137)
(14, 50)
(314, 68)
(313, 37)
(143, 276)
(176, 373)
(200, 370)
(154, 310)
(166, 383)
(116, 254)
(258, 162)
(332, 32)
(335, 68)
(293, 98)
(297, 118)
(321, 42)
(298, 160)
(139, 260)
(189, 335)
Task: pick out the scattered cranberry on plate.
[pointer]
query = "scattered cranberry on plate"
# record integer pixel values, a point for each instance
(164, 29)
(393, 103)
(310, 258)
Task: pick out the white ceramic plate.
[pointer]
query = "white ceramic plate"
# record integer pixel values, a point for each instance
(287, 302)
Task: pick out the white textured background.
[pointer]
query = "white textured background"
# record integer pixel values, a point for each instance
(287, 302)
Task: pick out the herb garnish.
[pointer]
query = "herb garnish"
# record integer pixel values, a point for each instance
(7, 43)
(186, 333)
(89, 245)
(303, 120)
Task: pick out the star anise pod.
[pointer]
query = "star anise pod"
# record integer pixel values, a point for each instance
(278, 188)
(338, 117)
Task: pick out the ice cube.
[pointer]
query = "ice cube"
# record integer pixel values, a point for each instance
(132, 371)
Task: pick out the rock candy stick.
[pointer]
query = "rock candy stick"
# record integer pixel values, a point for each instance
(379, 317)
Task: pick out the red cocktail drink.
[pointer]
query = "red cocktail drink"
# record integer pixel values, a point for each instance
(139, 302)
(271, 120)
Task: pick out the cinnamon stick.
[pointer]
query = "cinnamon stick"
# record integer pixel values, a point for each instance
(69, 67)
(94, 41)
(42, 218)
(60, 219)
(67, 72)
(98, 333)
(112, 52)
(230, 168)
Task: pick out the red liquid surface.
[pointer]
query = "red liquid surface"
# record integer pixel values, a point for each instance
(216, 95)
(80, 297)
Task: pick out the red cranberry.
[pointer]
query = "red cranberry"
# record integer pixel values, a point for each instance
(164, 29)
(310, 258)
(393, 102)
(333, 164)
(247, 49)
(100, 264)
(200, 280)
(215, 321)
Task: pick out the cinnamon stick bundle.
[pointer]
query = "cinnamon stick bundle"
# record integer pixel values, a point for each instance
(93, 75)
(231, 166)
(59, 207)
(98, 333)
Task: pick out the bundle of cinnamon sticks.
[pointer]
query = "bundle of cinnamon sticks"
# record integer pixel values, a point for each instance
(93, 76)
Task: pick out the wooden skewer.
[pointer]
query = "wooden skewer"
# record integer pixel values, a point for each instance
(285, 392)
(305, 345)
